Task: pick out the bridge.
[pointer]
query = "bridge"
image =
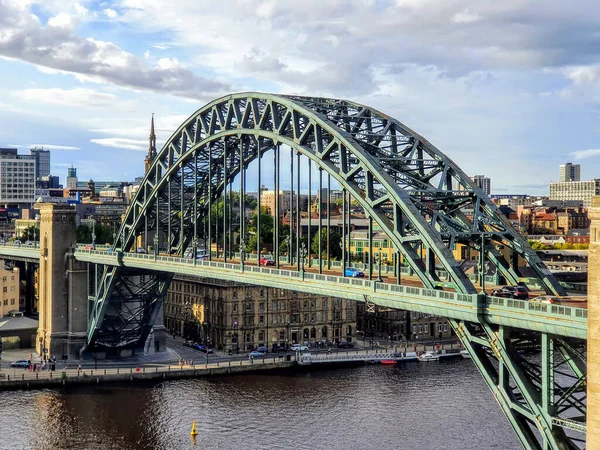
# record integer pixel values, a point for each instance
(423, 202)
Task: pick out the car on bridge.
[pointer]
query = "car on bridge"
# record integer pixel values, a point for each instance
(20, 363)
(550, 299)
(345, 344)
(353, 272)
(519, 292)
(267, 261)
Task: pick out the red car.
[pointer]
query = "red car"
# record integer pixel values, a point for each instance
(266, 261)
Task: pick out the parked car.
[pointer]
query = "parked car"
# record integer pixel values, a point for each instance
(255, 354)
(189, 344)
(17, 242)
(354, 272)
(345, 344)
(267, 261)
(262, 349)
(206, 349)
(511, 292)
(20, 363)
(299, 348)
(140, 250)
(30, 244)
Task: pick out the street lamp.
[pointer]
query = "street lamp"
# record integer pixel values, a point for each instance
(379, 279)
(289, 240)
(155, 240)
(194, 248)
(303, 253)
(236, 336)
(186, 315)
(242, 249)
(94, 234)
(344, 261)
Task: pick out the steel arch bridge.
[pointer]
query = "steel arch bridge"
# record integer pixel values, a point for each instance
(419, 197)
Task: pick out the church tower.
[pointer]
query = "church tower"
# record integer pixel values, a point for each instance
(149, 159)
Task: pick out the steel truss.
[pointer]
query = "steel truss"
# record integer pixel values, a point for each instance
(539, 380)
(419, 198)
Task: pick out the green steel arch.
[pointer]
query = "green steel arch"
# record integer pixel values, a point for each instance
(418, 196)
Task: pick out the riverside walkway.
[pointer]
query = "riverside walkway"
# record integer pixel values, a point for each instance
(19, 378)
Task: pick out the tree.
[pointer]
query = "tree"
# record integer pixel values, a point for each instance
(266, 228)
(104, 234)
(335, 251)
(31, 233)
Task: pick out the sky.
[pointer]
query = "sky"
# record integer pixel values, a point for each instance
(507, 89)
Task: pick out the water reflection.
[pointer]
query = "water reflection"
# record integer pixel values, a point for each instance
(417, 406)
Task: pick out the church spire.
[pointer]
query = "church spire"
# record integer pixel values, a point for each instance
(151, 147)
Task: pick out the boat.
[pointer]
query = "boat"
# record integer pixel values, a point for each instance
(429, 356)
(388, 361)
(465, 354)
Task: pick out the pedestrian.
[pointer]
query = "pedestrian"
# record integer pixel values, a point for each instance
(252, 359)
(79, 368)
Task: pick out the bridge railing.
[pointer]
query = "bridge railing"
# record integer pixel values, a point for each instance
(536, 307)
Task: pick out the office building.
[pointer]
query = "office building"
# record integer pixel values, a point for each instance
(71, 178)
(17, 177)
(582, 191)
(483, 182)
(42, 162)
(10, 293)
(569, 172)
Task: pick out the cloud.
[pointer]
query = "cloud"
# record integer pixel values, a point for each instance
(54, 147)
(78, 97)
(55, 46)
(585, 154)
(465, 16)
(122, 143)
(110, 13)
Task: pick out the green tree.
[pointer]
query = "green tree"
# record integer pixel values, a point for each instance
(31, 233)
(266, 228)
(335, 251)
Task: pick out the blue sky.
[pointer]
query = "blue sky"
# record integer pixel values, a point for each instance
(506, 89)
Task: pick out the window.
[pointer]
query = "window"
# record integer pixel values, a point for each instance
(235, 307)
(274, 306)
(439, 327)
(261, 320)
(305, 317)
(12, 301)
(305, 304)
(5, 289)
(282, 335)
(324, 303)
(420, 328)
(6, 302)
(261, 307)
(262, 292)
(261, 336)
(445, 326)
(235, 294)
(248, 306)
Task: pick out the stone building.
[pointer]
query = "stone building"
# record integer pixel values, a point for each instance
(231, 316)
(9, 290)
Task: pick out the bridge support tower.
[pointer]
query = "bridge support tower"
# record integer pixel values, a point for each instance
(593, 348)
(62, 286)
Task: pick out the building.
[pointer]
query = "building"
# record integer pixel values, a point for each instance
(42, 162)
(71, 178)
(9, 290)
(569, 172)
(483, 182)
(575, 190)
(17, 177)
(231, 316)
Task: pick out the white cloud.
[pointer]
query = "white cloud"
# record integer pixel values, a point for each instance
(55, 46)
(466, 16)
(584, 154)
(110, 13)
(54, 147)
(78, 97)
(122, 143)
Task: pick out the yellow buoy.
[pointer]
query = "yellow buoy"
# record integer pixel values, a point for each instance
(193, 432)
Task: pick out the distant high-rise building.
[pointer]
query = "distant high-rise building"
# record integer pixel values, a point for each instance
(17, 177)
(71, 178)
(483, 182)
(569, 172)
(42, 161)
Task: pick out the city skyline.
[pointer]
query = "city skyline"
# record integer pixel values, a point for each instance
(511, 97)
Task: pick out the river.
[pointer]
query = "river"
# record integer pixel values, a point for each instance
(413, 406)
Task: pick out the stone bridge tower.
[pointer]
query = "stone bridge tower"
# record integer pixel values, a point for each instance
(63, 289)
(593, 343)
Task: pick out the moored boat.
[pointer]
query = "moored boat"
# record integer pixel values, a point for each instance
(428, 356)
(388, 361)
(465, 354)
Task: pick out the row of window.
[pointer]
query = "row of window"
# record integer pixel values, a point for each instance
(441, 327)
(12, 302)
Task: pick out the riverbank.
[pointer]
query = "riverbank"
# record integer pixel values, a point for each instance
(25, 379)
